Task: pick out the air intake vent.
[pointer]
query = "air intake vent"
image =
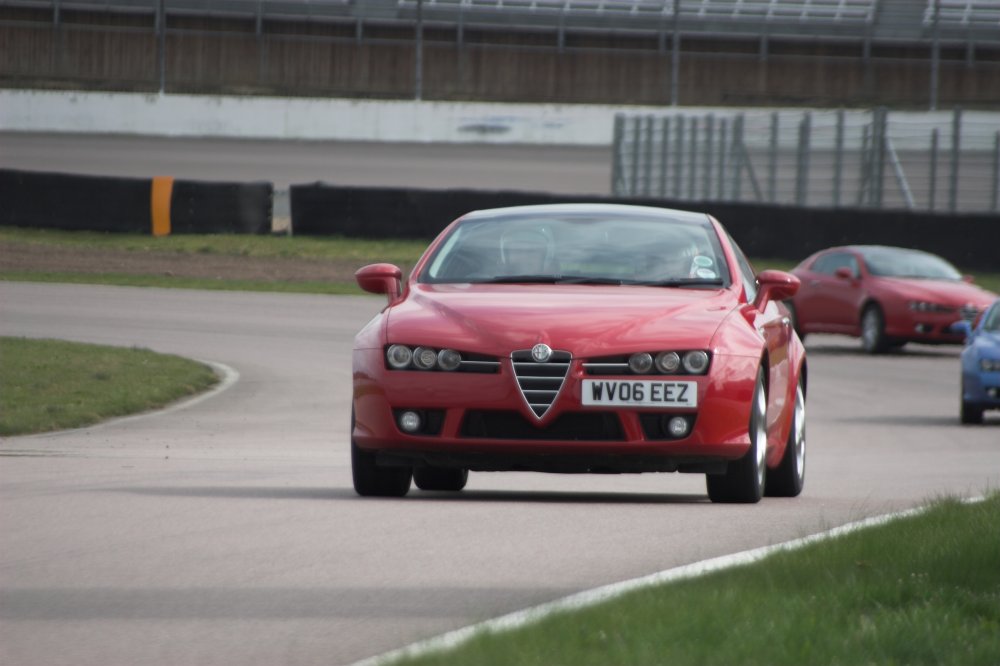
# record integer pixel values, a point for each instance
(540, 382)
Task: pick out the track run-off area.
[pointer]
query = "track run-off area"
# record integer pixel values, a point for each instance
(228, 531)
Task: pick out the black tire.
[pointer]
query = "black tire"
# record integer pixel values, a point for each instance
(971, 413)
(744, 479)
(787, 479)
(371, 480)
(437, 478)
(794, 317)
(873, 338)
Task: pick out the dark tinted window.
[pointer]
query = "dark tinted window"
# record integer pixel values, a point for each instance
(600, 246)
(897, 262)
(829, 263)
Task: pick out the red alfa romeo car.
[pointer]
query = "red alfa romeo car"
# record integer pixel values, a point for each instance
(580, 338)
(887, 296)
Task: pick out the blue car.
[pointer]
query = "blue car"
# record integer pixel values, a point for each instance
(981, 365)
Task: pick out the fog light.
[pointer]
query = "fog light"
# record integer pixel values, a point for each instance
(677, 426)
(409, 422)
(424, 358)
(640, 363)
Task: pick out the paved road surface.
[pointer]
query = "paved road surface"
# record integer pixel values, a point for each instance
(559, 169)
(228, 533)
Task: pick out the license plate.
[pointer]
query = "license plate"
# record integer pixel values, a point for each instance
(640, 393)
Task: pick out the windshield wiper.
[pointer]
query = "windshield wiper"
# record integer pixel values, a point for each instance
(682, 282)
(580, 279)
(519, 279)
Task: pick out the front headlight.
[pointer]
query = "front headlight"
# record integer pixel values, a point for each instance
(990, 364)
(928, 306)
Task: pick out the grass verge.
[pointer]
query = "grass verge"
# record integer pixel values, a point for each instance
(181, 282)
(919, 590)
(51, 385)
(236, 245)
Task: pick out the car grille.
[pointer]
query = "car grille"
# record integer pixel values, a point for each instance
(540, 382)
(573, 426)
(479, 363)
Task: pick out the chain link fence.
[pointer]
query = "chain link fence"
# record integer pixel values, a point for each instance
(840, 159)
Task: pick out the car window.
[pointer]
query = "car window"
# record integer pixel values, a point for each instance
(829, 263)
(746, 271)
(897, 262)
(577, 247)
(991, 321)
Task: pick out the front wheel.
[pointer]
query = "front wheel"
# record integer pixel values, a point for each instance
(787, 478)
(744, 478)
(793, 315)
(873, 338)
(436, 478)
(371, 480)
(971, 413)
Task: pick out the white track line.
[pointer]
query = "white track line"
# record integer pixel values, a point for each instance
(597, 595)
(227, 377)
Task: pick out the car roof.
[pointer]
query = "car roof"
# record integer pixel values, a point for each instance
(591, 208)
(864, 249)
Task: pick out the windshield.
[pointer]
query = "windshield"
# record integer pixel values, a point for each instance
(580, 249)
(991, 322)
(890, 262)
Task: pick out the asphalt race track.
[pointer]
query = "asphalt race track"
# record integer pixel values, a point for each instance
(560, 169)
(228, 532)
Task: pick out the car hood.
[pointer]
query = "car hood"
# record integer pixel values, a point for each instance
(988, 341)
(586, 320)
(946, 292)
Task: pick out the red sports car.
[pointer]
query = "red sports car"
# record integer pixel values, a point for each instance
(887, 296)
(580, 338)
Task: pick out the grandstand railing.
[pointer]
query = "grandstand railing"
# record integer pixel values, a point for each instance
(833, 159)
(850, 32)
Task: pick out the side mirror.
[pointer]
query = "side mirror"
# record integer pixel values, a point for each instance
(844, 273)
(381, 279)
(961, 327)
(775, 286)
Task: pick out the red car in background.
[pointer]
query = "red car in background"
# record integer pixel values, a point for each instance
(887, 296)
(580, 338)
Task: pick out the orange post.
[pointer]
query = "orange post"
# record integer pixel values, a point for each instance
(163, 187)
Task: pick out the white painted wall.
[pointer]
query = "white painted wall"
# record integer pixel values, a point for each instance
(297, 118)
(409, 121)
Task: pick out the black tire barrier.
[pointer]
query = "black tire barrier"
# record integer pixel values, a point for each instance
(765, 231)
(104, 203)
(198, 207)
(73, 202)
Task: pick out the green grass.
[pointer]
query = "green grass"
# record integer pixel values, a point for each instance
(920, 590)
(51, 385)
(239, 245)
(180, 282)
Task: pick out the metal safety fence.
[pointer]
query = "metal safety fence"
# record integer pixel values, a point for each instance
(946, 161)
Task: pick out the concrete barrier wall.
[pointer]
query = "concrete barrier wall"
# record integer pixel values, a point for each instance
(297, 118)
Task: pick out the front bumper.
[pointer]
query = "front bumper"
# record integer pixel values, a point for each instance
(482, 422)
